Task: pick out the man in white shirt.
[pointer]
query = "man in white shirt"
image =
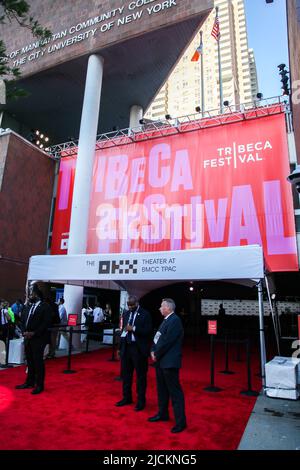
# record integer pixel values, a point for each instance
(98, 319)
(62, 311)
(63, 320)
(98, 314)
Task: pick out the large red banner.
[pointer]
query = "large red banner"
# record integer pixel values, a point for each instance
(214, 187)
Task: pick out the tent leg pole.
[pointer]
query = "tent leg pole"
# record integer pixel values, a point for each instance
(262, 333)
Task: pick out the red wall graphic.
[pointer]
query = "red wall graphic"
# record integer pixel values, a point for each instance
(214, 187)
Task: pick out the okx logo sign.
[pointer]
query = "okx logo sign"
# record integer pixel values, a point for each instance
(118, 267)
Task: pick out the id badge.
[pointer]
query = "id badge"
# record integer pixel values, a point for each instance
(156, 337)
(124, 333)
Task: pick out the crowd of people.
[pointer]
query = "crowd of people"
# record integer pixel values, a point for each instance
(11, 319)
(36, 321)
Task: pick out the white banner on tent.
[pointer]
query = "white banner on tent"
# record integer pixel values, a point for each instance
(241, 262)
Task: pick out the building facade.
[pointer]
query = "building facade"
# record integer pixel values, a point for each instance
(125, 38)
(293, 9)
(182, 91)
(26, 187)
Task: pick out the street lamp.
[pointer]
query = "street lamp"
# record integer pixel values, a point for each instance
(294, 178)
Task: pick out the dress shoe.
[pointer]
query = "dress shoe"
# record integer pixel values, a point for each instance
(37, 390)
(123, 402)
(139, 407)
(178, 428)
(25, 385)
(157, 417)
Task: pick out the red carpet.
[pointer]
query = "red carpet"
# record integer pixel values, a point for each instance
(77, 411)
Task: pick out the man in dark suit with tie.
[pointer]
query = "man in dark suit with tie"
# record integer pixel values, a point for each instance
(134, 352)
(35, 323)
(166, 353)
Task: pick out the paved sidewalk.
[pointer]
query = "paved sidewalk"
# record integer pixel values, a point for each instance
(274, 424)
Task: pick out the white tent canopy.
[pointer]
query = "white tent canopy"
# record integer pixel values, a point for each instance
(142, 272)
(238, 262)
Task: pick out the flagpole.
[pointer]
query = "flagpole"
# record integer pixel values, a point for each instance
(202, 77)
(220, 69)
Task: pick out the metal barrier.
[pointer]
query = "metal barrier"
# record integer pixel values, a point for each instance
(226, 371)
(72, 331)
(212, 387)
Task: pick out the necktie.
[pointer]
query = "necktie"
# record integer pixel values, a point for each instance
(30, 314)
(129, 333)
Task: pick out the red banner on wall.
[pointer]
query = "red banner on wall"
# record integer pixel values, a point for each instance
(214, 187)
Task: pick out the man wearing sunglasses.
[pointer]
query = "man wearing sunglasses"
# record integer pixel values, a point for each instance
(134, 352)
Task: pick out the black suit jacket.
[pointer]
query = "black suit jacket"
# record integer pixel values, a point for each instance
(142, 333)
(39, 322)
(168, 347)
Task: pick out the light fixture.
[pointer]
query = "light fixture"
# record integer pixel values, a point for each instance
(46, 139)
(191, 288)
(259, 96)
(168, 117)
(198, 109)
(226, 103)
(38, 142)
(37, 132)
(141, 121)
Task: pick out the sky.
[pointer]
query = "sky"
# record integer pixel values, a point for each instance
(267, 35)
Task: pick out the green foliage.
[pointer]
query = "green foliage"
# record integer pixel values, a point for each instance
(17, 11)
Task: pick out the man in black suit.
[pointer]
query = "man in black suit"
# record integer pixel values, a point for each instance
(134, 352)
(166, 353)
(35, 323)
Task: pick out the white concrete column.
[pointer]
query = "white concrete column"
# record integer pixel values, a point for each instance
(73, 296)
(136, 113)
(85, 158)
(83, 178)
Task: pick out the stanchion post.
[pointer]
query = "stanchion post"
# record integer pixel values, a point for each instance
(87, 339)
(249, 392)
(238, 349)
(69, 370)
(226, 370)
(113, 359)
(212, 387)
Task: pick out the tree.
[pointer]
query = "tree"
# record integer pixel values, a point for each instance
(16, 11)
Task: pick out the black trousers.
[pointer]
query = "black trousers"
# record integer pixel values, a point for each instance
(132, 360)
(34, 351)
(4, 331)
(168, 386)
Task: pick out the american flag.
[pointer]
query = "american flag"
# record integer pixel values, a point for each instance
(197, 52)
(216, 29)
